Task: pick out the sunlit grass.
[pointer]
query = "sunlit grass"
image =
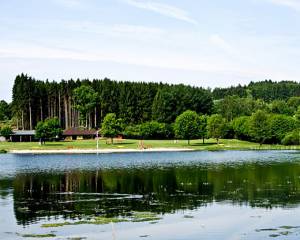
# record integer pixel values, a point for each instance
(210, 144)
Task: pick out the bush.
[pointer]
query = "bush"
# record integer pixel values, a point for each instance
(2, 151)
(155, 130)
(6, 131)
(291, 138)
(132, 132)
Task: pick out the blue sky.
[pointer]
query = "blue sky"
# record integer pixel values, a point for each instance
(203, 43)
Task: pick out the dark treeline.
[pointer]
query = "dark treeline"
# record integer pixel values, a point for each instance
(266, 90)
(264, 112)
(134, 102)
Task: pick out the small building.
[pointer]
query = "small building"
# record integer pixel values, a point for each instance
(23, 136)
(79, 134)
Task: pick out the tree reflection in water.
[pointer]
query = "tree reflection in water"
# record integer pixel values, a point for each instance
(115, 192)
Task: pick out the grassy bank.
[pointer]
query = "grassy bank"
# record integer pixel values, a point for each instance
(225, 144)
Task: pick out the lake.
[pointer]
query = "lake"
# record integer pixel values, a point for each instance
(177, 195)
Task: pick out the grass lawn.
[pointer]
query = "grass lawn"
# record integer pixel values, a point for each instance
(225, 144)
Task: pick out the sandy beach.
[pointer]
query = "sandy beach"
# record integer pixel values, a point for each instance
(100, 151)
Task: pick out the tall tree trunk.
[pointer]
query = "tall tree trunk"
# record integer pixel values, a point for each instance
(69, 112)
(41, 109)
(95, 117)
(86, 118)
(66, 113)
(48, 107)
(89, 120)
(59, 109)
(22, 120)
(30, 116)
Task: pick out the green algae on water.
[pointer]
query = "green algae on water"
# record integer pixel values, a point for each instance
(48, 235)
(95, 221)
(144, 217)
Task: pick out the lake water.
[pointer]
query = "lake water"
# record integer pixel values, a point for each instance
(191, 195)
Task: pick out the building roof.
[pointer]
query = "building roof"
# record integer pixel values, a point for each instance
(79, 132)
(24, 133)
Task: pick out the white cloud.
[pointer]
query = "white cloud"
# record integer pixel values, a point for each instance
(132, 31)
(69, 3)
(163, 61)
(219, 42)
(163, 9)
(294, 4)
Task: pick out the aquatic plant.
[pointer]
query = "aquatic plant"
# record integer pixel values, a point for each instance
(48, 235)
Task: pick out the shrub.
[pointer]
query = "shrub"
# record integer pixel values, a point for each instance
(291, 138)
(132, 132)
(155, 130)
(6, 131)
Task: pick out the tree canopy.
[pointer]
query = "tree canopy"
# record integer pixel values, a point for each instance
(216, 126)
(188, 125)
(48, 130)
(111, 126)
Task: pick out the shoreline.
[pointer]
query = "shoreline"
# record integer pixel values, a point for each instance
(100, 151)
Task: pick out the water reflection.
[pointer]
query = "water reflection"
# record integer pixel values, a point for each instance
(115, 192)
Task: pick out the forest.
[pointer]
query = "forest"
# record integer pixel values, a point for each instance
(264, 112)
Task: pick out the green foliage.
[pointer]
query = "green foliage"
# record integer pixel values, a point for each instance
(266, 90)
(297, 114)
(132, 132)
(131, 101)
(111, 126)
(85, 99)
(6, 131)
(259, 127)
(188, 125)
(170, 103)
(280, 125)
(281, 107)
(5, 111)
(292, 138)
(203, 127)
(240, 127)
(294, 103)
(155, 130)
(163, 106)
(216, 126)
(49, 129)
(231, 107)
(220, 93)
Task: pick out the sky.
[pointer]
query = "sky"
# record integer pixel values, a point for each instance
(212, 43)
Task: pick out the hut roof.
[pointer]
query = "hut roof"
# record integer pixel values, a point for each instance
(24, 133)
(79, 132)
